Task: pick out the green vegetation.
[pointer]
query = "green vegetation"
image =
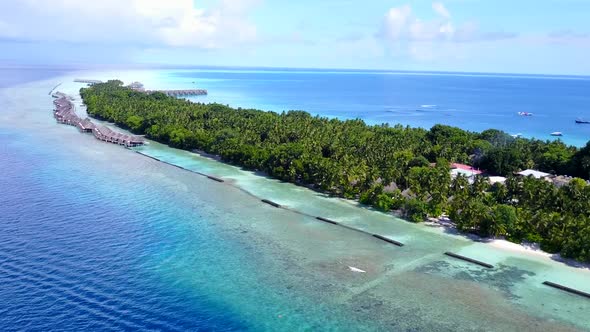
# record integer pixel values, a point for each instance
(386, 167)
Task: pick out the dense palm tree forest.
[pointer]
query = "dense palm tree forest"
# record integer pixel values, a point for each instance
(390, 168)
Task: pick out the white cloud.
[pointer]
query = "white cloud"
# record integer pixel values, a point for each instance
(441, 10)
(424, 40)
(396, 21)
(400, 23)
(427, 31)
(137, 22)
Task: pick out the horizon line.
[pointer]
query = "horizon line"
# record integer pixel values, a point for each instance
(87, 66)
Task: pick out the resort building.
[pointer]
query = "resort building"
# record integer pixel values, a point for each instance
(536, 174)
(465, 170)
(561, 180)
(65, 113)
(496, 179)
(556, 180)
(137, 86)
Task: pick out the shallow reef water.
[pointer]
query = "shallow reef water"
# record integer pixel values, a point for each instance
(95, 236)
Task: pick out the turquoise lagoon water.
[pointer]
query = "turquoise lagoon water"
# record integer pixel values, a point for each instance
(470, 101)
(95, 236)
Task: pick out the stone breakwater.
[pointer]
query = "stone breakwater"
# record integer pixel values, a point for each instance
(65, 113)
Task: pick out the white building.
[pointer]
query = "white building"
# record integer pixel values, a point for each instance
(496, 179)
(534, 173)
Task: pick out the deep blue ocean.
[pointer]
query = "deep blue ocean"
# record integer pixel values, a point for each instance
(97, 237)
(74, 249)
(470, 101)
(91, 276)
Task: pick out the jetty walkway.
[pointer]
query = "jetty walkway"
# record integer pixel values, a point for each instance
(80, 80)
(179, 93)
(138, 86)
(65, 113)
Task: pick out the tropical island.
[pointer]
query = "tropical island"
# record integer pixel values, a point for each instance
(392, 168)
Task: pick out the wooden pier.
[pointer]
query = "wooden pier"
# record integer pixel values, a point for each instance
(180, 93)
(80, 80)
(65, 113)
(55, 87)
(138, 86)
(59, 95)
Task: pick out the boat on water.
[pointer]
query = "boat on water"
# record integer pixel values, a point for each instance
(525, 114)
(557, 133)
(582, 121)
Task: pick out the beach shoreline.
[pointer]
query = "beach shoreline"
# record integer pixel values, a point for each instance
(532, 250)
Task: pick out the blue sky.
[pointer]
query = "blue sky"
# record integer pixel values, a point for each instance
(545, 36)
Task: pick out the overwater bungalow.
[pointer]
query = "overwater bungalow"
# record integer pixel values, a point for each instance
(65, 113)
